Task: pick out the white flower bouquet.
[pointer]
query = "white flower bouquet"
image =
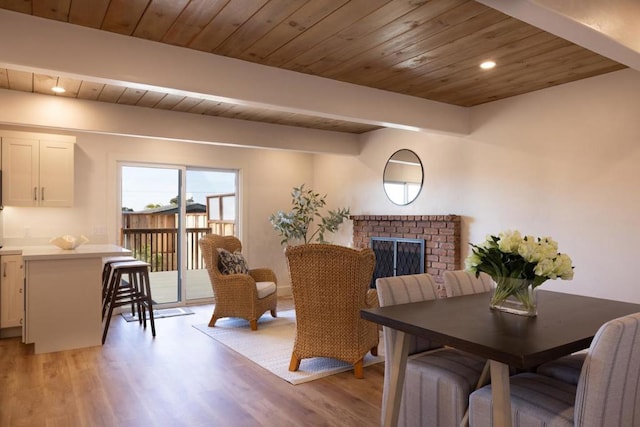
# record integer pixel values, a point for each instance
(518, 265)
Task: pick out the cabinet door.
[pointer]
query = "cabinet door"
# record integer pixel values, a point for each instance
(11, 291)
(20, 172)
(56, 173)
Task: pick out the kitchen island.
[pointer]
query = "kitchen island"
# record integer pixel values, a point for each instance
(63, 295)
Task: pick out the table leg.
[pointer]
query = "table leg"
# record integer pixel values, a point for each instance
(391, 398)
(501, 394)
(482, 381)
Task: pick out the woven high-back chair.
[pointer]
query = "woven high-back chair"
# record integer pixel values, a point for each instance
(247, 296)
(330, 285)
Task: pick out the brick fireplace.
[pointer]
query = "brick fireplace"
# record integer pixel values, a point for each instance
(441, 234)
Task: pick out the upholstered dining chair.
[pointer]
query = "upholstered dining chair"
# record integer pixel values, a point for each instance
(460, 282)
(237, 293)
(330, 285)
(437, 382)
(607, 393)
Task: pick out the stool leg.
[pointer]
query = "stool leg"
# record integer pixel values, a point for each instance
(114, 294)
(147, 292)
(106, 278)
(135, 304)
(111, 288)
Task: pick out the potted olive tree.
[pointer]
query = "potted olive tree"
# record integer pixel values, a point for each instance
(297, 224)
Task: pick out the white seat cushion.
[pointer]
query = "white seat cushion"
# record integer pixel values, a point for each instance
(265, 288)
(567, 368)
(536, 401)
(436, 387)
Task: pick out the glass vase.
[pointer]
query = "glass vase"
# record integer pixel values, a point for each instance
(514, 295)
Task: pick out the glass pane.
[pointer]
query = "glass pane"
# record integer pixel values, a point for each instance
(229, 208)
(150, 225)
(395, 192)
(206, 188)
(412, 191)
(214, 208)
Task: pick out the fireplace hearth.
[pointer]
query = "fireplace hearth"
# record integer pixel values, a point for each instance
(440, 233)
(397, 257)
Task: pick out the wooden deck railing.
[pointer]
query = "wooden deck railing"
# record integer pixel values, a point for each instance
(159, 246)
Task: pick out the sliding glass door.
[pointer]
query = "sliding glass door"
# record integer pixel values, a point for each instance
(165, 211)
(202, 217)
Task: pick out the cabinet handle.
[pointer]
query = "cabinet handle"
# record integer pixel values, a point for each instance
(4, 269)
(42, 193)
(20, 290)
(35, 193)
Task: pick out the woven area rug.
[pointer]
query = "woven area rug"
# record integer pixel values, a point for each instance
(270, 347)
(158, 314)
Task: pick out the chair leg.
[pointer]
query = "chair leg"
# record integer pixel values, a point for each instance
(212, 322)
(274, 313)
(254, 324)
(294, 365)
(358, 369)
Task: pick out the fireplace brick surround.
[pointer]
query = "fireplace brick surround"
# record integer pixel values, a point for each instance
(441, 234)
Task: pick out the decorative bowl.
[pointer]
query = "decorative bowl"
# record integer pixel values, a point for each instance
(68, 242)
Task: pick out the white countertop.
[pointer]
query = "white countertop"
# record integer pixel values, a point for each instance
(51, 252)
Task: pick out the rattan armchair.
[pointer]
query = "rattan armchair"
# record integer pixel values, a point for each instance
(247, 296)
(330, 285)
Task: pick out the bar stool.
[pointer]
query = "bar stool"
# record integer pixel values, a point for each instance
(106, 276)
(137, 293)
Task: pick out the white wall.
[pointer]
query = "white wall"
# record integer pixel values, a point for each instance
(561, 162)
(271, 159)
(267, 177)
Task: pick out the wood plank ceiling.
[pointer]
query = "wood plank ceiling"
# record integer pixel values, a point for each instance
(428, 49)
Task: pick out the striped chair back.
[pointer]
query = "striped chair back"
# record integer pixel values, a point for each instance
(460, 282)
(608, 390)
(405, 289)
(402, 290)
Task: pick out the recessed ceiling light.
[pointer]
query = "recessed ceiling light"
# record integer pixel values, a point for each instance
(487, 65)
(58, 89)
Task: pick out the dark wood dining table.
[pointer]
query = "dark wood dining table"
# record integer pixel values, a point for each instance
(565, 324)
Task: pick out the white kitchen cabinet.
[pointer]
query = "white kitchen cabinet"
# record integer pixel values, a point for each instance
(11, 291)
(37, 171)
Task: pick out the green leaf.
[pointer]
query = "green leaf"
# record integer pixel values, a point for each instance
(306, 205)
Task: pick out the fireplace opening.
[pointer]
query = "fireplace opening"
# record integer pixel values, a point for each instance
(397, 257)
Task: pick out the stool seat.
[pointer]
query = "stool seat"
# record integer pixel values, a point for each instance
(137, 292)
(106, 273)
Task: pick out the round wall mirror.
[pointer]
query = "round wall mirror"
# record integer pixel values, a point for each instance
(403, 177)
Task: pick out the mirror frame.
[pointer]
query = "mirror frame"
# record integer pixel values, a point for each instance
(387, 169)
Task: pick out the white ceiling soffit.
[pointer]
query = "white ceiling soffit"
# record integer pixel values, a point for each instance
(71, 50)
(610, 28)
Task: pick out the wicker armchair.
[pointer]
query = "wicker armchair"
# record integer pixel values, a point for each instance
(330, 284)
(247, 296)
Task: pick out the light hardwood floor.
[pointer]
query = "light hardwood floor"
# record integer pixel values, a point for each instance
(180, 378)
